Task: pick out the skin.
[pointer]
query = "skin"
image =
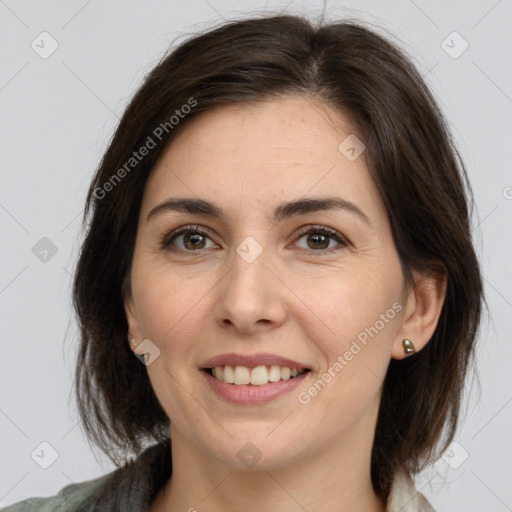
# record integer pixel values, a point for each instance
(294, 300)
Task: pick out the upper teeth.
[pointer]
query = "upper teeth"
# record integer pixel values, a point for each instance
(257, 376)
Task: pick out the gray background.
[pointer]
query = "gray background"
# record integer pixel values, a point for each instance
(57, 115)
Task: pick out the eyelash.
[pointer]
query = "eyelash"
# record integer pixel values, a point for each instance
(168, 239)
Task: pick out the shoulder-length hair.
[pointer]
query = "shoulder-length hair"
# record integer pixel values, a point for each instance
(410, 157)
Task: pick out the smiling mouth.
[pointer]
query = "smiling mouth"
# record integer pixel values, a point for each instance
(257, 376)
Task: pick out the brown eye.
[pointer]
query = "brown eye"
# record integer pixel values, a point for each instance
(188, 239)
(322, 239)
(318, 241)
(193, 241)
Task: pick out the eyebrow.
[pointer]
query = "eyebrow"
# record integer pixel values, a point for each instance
(282, 211)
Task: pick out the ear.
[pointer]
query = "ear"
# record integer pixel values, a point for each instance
(134, 332)
(421, 313)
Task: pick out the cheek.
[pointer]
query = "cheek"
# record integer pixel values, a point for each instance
(173, 316)
(165, 300)
(345, 305)
(360, 317)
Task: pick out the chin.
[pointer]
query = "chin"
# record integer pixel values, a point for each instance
(255, 452)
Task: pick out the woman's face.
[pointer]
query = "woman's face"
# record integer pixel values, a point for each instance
(275, 278)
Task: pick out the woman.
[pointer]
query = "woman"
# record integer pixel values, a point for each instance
(279, 232)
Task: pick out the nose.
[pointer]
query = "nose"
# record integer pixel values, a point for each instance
(251, 297)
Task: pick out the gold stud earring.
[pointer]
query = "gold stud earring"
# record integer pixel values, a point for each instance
(409, 347)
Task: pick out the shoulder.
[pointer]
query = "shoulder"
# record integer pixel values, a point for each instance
(130, 487)
(405, 498)
(72, 498)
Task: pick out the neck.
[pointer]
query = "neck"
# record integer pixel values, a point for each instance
(334, 479)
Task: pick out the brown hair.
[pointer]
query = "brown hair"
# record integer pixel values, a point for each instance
(411, 159)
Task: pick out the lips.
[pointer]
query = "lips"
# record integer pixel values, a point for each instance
(253, 379)
(249, 394)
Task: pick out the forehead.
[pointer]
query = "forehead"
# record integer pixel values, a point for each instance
(279, 149)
